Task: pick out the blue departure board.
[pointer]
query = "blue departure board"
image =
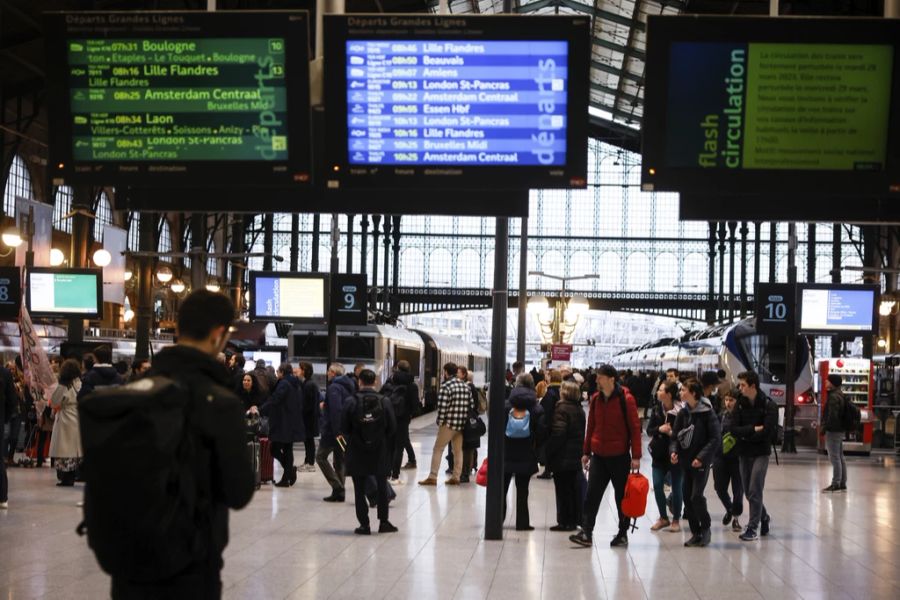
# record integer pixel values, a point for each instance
(423, 101)
(452, 102)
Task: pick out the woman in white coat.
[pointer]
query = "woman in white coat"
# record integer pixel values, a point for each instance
(65, 443)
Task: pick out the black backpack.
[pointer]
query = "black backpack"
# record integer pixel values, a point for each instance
(850, 416)
(397, 396)
(141, 507)
(369, 418)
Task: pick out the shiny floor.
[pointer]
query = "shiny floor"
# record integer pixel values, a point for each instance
(289, 544)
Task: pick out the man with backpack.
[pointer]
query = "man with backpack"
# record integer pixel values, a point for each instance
(755, 425)
(838, 417)
(368, 423)
(613, 432)
(156, 507)
(403, 393)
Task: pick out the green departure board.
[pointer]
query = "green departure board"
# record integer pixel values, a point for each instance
(176, 95)
(162, 99)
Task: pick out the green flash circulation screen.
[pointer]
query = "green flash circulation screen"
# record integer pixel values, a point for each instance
(729, 112)
(65, 292)
(173, 95)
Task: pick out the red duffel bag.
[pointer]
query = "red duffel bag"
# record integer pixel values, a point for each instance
(481, 476)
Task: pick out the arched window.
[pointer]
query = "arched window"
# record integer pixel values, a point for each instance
(412, 271)
(212, 264)
(62, 205)
(637, 272)
(440, 264)
(134, 231)
(102, 216)
(17, 184)
(468, 269)
(581, 264)
(695, 273)
(665, 275)
(165, 236)
(610, 272)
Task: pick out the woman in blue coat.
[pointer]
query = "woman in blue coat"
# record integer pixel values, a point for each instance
(285, 411)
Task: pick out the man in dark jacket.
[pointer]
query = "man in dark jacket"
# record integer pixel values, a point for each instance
(222, 469)
(610, 432)
(368, 423)
(340, 388)
(403, 386)
(102, 372)
(833, 426)
(310, 415)
(285, 411)
(755, 423)
(548, 403)
(8, 406)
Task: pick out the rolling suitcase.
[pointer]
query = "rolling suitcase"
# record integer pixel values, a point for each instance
(266, 463)
(253, 447)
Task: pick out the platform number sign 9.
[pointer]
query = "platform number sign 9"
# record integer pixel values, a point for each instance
(348, 293)
(776, 305)
(10, 293)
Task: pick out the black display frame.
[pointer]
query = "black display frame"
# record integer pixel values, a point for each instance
(663, 30)
(876, 294)
(340, 173)
(326, 297)
(290, 24)
(92, 316)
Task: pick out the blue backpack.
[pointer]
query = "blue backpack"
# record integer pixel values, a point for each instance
(518, 428)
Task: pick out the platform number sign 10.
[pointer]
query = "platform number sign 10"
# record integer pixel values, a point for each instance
(348, 293)
(775, 308)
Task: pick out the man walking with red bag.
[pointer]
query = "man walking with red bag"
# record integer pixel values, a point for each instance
(613, 425)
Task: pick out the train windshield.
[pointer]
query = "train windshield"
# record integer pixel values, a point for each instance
(765, 355)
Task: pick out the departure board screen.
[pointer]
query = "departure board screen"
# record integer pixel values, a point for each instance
(738, 103)
(456, 100)
(180, 96)
(295, 297)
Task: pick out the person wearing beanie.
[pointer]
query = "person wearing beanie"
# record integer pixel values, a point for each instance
(833, 427)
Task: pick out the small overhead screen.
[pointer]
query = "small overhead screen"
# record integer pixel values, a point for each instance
(179, 98)
(55, 292)
(272, 359)
(294, 297)
(460, 102)
(838, 309)
(761, 105)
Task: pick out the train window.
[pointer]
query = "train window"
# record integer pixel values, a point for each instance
(352, 347)
(765, 355)
(310, 346)
(409, 355)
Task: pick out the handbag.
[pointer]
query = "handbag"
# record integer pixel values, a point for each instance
(481, 476)
(686, 435)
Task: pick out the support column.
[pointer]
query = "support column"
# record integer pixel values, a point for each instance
(78, 249)
(143, 314)
(238, 264)
(332, 327)
(268, 241)
(350, 218)
(790, 346)
(757, 250)
(872, 260)
(493, 514)
(523, 291)
(364, 247)
(295, 242)
(198, 251)
(836, 251)
(744, 231)
(773, 249)
(811, 253)
(723, 233)
(376, 221)
(711, 272)
(386, 290)
(732, 240)
(314, 259)
(395, 282)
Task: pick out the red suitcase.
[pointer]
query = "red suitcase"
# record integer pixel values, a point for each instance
(266, 464)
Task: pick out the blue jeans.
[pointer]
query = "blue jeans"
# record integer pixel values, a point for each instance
(834, 444)
(753, 476)
(659, 477)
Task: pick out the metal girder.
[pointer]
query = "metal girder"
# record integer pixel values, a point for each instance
(615, 134)
(618, 94)
(595, 64)
(603, 14)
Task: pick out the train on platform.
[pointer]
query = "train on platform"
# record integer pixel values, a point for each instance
(734, 348)
(379, 347)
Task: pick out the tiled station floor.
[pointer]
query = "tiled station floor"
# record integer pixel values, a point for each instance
(289, 544)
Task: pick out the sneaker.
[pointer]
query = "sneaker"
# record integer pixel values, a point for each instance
(660, 524)
(764, 526)
(429, 481)
(621, 540)
(831, 488)
(4, 505)
(452, 481)
(308, 469)
(675, 527)
(387, 527)
(842, 489)
(363, 530)
(694, 540)
(334, 498)
(748, 536)
(727, 518)
(705, 537)
(563, 528)
(736, 525)
(582, 539)
(409, 465)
